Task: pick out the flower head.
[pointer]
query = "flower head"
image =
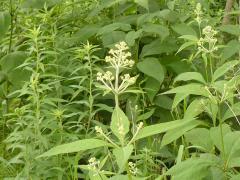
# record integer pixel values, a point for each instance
(207, 43)
(118, 57)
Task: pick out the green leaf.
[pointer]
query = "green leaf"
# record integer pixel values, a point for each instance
(231, 29)
(110, 39)
(132, 36)
(193, 88)
(159, 47)
(152, 67)
(231, 49)
(5, 21)
(103, 5)
(10, 67)
(112, 27)
(189, 37)
(216, 134)
(122, 155)
(38, 4)
(145, 115)
(224, 68)
(196, 107)
(160, 30)
(176, 133)
(188, 76)
(143, 3)
(119, 123)
(232, 148)
(185, 45)
(81, 145)
(85, 33)
(184, 29)
(235, 177)
(200, 137)
(194, 168)
(160, 128)
(163, 101)
(232, 111)
(152, 87)
(178, 98)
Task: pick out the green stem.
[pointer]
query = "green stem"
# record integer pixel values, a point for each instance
(11, 30)
(90, 99)
(221, 130)
(116, 87)
(211, 66)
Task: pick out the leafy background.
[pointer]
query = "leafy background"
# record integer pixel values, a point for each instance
(50, 54)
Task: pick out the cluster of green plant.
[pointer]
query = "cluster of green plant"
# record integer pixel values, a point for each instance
(119, 89)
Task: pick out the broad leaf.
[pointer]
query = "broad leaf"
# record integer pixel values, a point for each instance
(122, 155)
(232, 148)
(194, 168)
(216, 134)
(158, 29)
(152, 67)
(11, 68)
(110, 39)
(143, 3)
(231, 29)
(159, 47)
(184, 29)
(231, 48)
(119, 123)
(188, 76)
(200, 137)
(132, 36)
(151, 88)
(112, 27)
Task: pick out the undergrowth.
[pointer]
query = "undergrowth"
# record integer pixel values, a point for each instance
(119, 89)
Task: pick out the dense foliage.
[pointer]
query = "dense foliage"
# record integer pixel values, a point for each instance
(119, 89)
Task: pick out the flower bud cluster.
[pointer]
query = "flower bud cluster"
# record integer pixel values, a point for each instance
(132, 168)
(98, 129)
(207, 44)
(198, 12)
(118, 58)
(93, 163)
(108, 76)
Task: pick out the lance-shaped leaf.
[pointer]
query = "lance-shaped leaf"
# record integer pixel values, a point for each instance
(76, 146)
(193, 88)
(160, 128)
(176, 133)
(5, 20)
(224, 68)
